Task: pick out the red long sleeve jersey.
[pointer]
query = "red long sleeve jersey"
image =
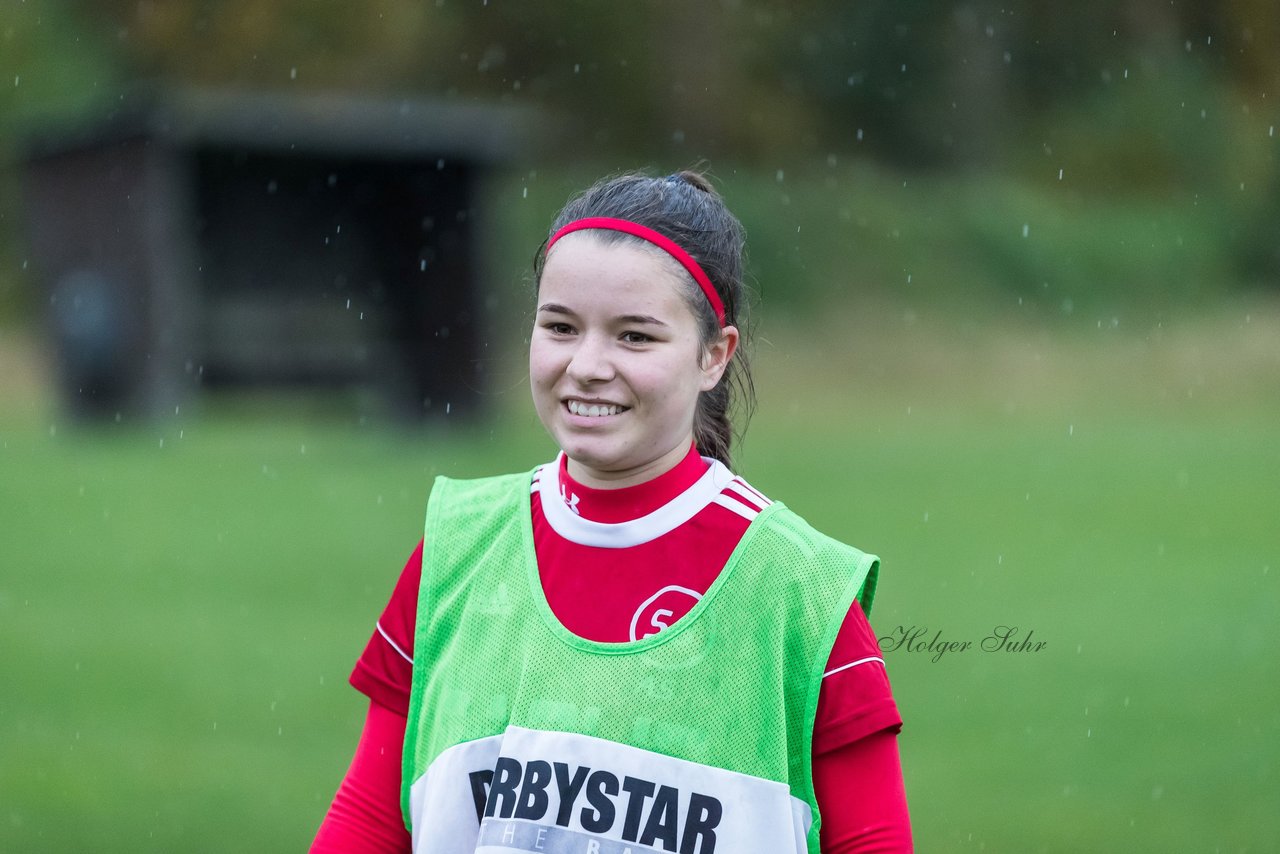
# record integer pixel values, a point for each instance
(619, 564)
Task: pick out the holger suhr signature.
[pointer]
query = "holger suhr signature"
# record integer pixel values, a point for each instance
(918, 639)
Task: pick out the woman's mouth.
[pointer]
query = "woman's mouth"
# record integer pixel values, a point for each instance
(593, 410)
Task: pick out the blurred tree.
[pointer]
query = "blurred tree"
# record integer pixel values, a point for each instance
(927, 83)
(1122, 96)
(54, 63)
(915, 82)
(384, 45)
(662, 77)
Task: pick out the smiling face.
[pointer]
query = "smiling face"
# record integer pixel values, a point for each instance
(615, 360)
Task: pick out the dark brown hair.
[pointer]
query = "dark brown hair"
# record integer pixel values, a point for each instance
(685, 208)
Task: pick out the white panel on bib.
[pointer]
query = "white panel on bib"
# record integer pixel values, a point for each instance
(532, 790)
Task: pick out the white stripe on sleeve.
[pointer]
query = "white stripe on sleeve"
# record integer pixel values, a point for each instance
(386, 637)
(852, 664)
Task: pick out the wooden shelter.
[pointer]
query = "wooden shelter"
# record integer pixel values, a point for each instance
(190, 239)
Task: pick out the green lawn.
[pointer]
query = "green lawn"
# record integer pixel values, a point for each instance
(180, 604)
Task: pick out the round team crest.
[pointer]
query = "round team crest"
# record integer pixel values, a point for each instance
(661, 610)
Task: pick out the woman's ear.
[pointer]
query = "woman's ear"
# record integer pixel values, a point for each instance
(716, 357)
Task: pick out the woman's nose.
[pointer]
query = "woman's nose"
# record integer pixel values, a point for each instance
(590, 361)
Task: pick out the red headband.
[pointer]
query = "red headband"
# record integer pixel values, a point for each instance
(666, 244)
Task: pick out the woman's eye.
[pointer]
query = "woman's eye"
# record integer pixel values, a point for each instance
(635, 338)
(559, 328)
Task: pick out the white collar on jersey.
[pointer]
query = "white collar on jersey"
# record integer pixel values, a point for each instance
(621, 535)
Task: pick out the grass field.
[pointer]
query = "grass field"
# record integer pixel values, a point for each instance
(180, 604)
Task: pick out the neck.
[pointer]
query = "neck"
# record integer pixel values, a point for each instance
(627, 503)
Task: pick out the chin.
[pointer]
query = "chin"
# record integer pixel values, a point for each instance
(595, 460)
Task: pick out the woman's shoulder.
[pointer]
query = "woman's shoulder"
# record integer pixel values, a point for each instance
(810, 559)
(786, 529)
(520, 482)
(476, 504)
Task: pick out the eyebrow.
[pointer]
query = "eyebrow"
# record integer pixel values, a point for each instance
(647, 319)
(641, 318)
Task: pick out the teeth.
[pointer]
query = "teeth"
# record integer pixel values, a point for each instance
(593, 410)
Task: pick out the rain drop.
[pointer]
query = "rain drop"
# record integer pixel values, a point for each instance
(1026, 229)
(293, 73)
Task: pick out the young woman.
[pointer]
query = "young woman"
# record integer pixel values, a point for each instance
(628, 649)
